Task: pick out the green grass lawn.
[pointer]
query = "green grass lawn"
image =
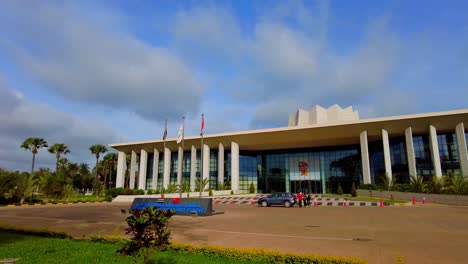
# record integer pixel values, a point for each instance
(367, 198)
(34, 249)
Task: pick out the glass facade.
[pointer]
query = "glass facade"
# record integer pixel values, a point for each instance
(399, 159)
(422, 154)
(317, 169)
(448, 151)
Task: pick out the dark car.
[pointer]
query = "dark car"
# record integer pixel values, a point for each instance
(281, 198)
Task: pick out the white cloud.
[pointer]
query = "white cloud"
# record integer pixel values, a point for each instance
(29, 119)
(86, 62)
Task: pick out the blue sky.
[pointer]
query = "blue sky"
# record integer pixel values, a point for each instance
(87, 72)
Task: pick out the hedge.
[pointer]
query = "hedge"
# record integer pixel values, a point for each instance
(260, 255)
(34, 232)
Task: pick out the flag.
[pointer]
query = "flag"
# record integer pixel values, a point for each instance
(180, 134)
(165, 130)
(202, 124)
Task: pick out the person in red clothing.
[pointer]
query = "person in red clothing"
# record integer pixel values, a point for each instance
(299, 199)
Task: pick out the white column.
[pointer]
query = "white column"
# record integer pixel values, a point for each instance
(435, 151)
(167, 167)
(206, 164)
(180, 157)
(365, 158)
(410, 152)
(220, 164)
(386, 152)
(235, 167)
(154, 183)
(132, 170)
(120, 178)
(193, 168)
(142, 171)
(462, 151)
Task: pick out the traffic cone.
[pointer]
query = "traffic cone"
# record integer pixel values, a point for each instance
(424, 200)
(252, 201)
(345, 203)
(381, 203)
(414, 200)
(216, 200)
(315, 202)
(231, 202)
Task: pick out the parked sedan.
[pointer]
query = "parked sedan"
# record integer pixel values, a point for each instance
(281, 198)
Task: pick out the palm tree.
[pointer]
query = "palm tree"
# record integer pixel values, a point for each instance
(58, 149)
(110, 161)
(97, 150)
(34, 144)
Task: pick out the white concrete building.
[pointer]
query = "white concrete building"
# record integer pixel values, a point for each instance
(319, 149)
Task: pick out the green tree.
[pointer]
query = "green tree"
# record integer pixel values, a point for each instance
(339, 190)
(109, 164)
(7, 181)
(68, 192)
(34, 144)
(25, 184)
(52, 184)
(58, 149)
(97, 150)
(417, 184)
(252, 188)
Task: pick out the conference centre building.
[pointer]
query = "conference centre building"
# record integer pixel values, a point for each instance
(319, 149)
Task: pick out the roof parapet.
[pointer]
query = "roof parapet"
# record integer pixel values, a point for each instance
(320, 115)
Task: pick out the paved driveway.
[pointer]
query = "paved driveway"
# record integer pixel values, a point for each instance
(419, 234)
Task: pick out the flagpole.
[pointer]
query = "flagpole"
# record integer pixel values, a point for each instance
(201, 158)
(182, 161)
(164, 158)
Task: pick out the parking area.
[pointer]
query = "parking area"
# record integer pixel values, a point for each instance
(417, 234)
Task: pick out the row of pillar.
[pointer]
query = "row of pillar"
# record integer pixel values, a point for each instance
(434, 146)
(121, 167)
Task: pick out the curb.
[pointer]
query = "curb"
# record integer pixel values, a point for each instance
(60, 203)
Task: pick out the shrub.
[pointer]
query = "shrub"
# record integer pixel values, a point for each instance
(210, 192)
(114, 192)
(400, 187)
(108, 198)
(148, 229)
(149, 191)
(368, 186)
(232, 191)
(353, 190)
(417, 184)
(339, 190)
(127, 191)
(252, 188)
(259, 255)
(140, 192)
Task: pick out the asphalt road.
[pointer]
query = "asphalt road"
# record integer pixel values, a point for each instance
(417, 234)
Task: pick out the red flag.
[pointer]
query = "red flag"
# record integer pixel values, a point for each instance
(202, 124)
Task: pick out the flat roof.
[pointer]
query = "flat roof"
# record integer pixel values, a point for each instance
(328, 134)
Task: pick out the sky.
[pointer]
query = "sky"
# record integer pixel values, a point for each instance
(100, 72)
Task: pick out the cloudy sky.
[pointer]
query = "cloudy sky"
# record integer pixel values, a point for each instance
(87, 72)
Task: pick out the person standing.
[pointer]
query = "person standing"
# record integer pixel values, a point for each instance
(308, 199)
(299, 199)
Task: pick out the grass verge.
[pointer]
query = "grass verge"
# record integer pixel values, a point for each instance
(366, 198)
